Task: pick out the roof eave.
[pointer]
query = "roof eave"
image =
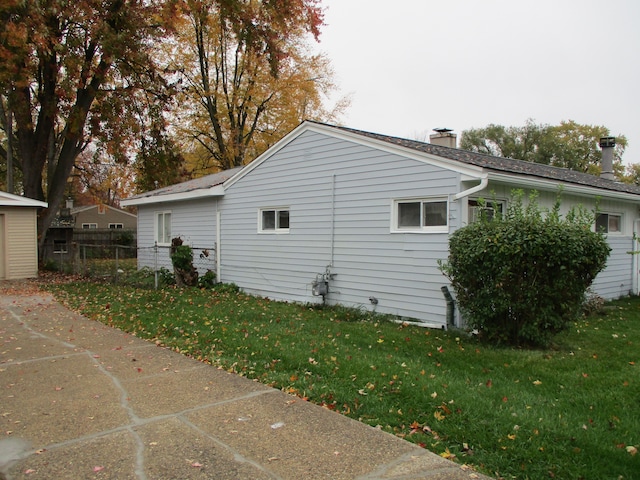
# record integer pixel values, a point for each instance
(215, 191)
(538, 183)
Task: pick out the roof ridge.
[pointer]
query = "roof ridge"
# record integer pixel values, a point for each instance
(501, 164)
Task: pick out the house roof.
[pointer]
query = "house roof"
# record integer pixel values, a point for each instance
(476, 165)
(207, 186)
(85, 208)
(501, 164)
(10, 200)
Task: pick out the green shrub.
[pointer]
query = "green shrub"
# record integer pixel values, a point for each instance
(208, 280)
(166, 277)
(227, 288)
(521, 277)
(182, 260)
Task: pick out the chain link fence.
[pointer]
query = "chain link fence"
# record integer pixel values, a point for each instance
(138, 266)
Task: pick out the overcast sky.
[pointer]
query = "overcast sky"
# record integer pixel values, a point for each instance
(414, 65)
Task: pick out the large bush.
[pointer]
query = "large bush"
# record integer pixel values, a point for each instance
(521, 276)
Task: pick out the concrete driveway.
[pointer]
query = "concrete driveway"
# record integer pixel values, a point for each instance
(80, 400)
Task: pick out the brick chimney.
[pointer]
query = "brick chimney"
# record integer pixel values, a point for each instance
(443, 137)
(607, 144)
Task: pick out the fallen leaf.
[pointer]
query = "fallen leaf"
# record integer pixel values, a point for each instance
(447, 454)
(632, 450)
(537, 382)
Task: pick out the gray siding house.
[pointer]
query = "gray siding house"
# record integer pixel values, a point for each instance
(360, 219)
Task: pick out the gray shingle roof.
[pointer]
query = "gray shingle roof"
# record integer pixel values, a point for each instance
(504, 165)
(201, 183)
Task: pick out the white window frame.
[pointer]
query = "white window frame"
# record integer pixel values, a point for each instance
(395, 228)
(608, 229)
(278, 229)
(88, 226)
(162, 238)
(116, 225)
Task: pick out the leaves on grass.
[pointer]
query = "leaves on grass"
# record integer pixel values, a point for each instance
(406, 382)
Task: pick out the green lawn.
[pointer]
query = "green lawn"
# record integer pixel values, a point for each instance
(569, 412)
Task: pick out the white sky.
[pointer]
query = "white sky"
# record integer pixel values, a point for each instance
(414, 65)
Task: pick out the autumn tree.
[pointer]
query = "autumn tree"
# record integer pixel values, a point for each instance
(243, 90)
(67, 70)
(99, 179)
(568, 145)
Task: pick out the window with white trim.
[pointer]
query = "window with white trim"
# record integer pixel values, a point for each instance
(489, 209)
(89, 225)
(116, 225)
(428, 215)
(273, 220)
(609, 223)
(163, 228)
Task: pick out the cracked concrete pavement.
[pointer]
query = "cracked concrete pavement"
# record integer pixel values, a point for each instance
(82, 400)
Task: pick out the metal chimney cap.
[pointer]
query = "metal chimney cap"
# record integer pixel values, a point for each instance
(607, 142)
(442, 130)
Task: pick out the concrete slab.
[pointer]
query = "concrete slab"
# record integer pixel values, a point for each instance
(81, 400)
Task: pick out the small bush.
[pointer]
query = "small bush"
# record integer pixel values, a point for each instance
(521, 277)
(208, 280)
(166, 277)
(228, 288)
(182, 260)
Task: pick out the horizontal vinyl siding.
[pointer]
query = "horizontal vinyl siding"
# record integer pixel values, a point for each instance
(102, 220)
(21, 243)
(194, 221)
(399, 269)
(616, 280)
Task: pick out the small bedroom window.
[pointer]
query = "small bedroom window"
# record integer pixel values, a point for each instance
(163, 228)
(429, 215)
(273, 220)
(609, 223)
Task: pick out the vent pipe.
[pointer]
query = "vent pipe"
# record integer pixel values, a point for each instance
(607, 144)
(443, 137)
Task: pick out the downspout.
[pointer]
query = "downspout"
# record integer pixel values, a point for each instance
(451, 303)
(451, 306)
(333, 216)
(218, 231)
(484, 181)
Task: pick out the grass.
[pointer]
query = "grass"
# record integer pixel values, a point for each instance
(568, 412)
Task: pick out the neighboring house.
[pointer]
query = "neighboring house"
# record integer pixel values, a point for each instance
(103, 216)
(361, 219)
(92, 224)
(18, 236)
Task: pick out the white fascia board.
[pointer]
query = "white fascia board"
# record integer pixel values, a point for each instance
(445, 163)
(268, 153)
(554, 185)
(10, 200)
(470, 171)
(216, 191)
